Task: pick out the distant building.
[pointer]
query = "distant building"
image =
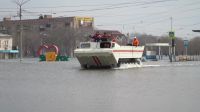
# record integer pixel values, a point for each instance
(34, 29)
(45, 22)
(6, 50)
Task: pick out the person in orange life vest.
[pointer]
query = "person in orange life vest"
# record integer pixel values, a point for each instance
(135, 42)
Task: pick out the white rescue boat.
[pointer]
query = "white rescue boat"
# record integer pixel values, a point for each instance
(108, 54)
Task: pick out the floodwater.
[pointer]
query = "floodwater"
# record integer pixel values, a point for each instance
(33, 86)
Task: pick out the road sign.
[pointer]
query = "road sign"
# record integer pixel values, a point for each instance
(172, 34)
(185, 43)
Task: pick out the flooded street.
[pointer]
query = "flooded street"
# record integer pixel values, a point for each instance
(33, 86)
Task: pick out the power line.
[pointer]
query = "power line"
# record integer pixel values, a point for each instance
(108, 8)
(113, 7)
(194, 24)
(104, 8)
(7, 11)
(71, 6)
(92, 5)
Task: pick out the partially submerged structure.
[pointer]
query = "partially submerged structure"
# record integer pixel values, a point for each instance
(6, 50)
(151, 54)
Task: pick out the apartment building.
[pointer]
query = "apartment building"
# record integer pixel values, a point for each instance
(35, 30)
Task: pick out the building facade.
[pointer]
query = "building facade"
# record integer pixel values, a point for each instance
(36, 31)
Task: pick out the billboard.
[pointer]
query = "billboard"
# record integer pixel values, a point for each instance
(85, 21)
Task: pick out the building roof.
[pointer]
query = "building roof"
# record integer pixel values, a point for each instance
(36, 21)
(196, 30)
(4, 35)
(44, 20)
(158, 44)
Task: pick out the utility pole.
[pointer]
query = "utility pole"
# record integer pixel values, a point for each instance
(172, 36)
(20, 4)
(171, 23)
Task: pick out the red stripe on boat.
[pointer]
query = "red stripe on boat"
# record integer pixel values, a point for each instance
(94, 59)
(127, 50)
(99, 62)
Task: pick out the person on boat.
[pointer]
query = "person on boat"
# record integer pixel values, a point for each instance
(135, 42)
(97, 37)
(114, 38)
(104, 37)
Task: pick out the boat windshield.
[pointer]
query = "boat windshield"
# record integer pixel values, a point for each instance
(105, 44)
(85, 45)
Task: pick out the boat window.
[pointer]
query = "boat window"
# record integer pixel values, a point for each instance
(113, 44)
(85, 45)
(105, 45)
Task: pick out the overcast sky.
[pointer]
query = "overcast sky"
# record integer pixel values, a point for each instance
(143, 16)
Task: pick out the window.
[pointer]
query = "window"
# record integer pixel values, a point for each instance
(2, 28)
(48, 25)
(113, 44)
(6, 44)
(85, 45)
(105, 45)
(67, 24)
(41, 28)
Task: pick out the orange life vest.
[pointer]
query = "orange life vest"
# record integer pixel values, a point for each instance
(135, 42)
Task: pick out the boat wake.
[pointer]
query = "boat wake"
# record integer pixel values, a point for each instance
(151, 65)
(128, 66)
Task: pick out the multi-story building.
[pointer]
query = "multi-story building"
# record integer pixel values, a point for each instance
(35, 30)
(9, 26)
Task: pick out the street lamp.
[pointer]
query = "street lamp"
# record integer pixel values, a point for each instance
(196, 30)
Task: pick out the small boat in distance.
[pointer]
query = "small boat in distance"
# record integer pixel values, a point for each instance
(105, 53)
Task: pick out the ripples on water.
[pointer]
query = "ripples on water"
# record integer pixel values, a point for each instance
(161, 86)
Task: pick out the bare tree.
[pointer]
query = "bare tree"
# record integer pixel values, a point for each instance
(194, 46)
